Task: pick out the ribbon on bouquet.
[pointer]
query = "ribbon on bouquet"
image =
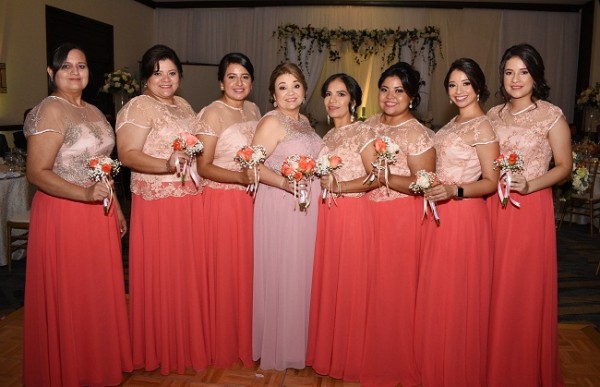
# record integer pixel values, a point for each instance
(185, 167)
(327, 193)
(252, 188)
(379, 165)
(303, 196)
(504, 193)
(434, 212)
(107, 201)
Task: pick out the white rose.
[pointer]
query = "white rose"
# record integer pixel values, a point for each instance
(423, 181)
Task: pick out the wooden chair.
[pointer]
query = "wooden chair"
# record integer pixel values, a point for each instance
(587, 203)
(18, 241)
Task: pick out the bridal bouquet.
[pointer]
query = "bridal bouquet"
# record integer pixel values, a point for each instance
(295, 168)
(326, 164)
(507, 164)
(249, 157)
(426, 180)
(102, 168)
(191, 146)
(386, 151)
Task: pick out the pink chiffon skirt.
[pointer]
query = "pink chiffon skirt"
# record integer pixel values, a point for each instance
(338, 310)
(168, 284)
(229, 253)
(453, 296)
(388, 357)
(76, 330)
(523, 344)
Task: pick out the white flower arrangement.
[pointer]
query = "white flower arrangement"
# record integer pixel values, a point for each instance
(120, 81)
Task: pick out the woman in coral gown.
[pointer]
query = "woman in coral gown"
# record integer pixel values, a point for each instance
(523, 348)
(284, 236)
(167, 269)
(338, 307)
(229, 124)
(75, 330)
(396, 213)
(453, 293)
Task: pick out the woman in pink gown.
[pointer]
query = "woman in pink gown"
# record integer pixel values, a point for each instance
(75, 330)
(284, 236)
(523, 348)
(338, 308)
(167, 269)
(388, 357)
(453, 293)
(229, 124)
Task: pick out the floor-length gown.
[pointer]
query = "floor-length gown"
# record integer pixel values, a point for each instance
(167, 267)
(76, 330)
(453, 295)
(388, 355)
(523, 347)
(284, 246)
(228, 211)
(338, 308)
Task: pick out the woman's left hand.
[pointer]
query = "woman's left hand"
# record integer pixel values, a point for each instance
(519, 184)
(122, 222)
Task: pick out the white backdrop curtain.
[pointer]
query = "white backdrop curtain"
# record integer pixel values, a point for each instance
(205, 35)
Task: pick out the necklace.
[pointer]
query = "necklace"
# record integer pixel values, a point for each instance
(522, 111)
(232, 107)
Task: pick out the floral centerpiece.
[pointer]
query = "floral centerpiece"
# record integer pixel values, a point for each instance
(589, 97)
(507, 164)
(326, 164)
(426, 180)
(102, 168)
(192, 147)
(120, 81)
(249, 157)
(579, 180)
(296, 168)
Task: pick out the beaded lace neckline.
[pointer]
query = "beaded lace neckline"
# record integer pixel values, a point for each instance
(523, 110)
(231, 107)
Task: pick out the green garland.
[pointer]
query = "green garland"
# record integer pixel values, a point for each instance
(364, 43)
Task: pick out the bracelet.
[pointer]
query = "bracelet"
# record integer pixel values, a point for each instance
(340, 188)
(169, 169)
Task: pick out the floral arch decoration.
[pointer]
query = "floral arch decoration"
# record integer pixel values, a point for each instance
(364, 43)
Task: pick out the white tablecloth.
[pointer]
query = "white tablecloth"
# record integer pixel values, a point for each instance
(15, 197)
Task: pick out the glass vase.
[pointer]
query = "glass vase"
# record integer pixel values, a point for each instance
(120, 99)
(591, 119)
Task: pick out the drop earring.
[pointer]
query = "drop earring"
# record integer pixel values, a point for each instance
(274, 104)
(410, 104)
(328, 120)
(222, 88)
(477, 97)
(352, 113)
(450, 102)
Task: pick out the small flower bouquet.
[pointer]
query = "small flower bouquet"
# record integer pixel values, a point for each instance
(386, 151)
(507, 164)
(326, 164)
(296, 168)
(249, 157)
(103, 168)
(579, 181)
(426, 180)
(120, 81)
(192, 147)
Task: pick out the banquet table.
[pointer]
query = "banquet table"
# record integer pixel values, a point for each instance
(15, 197)
(583, 219)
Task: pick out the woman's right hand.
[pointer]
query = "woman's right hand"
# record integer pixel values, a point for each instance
(171, 163)
(96, 192)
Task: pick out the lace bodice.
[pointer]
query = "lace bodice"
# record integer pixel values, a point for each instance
(347, 142)
(456, 156)
(234, 129)
(412, 138)
(300, 138)
(165, 122)
(85, 132)
(527, 132)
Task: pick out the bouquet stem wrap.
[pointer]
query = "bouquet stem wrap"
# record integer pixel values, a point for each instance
(250, 156)
(426, 180)
(192, 147)
(508, 164)
(101, 168)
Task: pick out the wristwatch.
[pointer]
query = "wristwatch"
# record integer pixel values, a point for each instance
(460, 193)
